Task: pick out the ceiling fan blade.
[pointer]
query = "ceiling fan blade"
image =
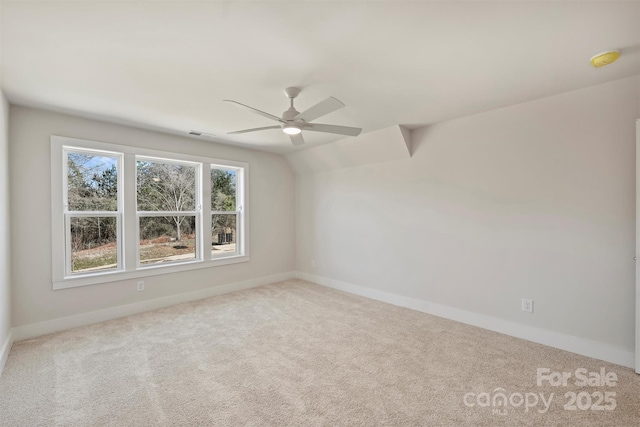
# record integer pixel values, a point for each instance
(340, 130)
(323, 108)
(297, 139)
(262, 113)
(253, 130)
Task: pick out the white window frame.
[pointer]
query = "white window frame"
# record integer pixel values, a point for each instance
(240, 188)
(128, 226)
(91, 214)
(197, 212)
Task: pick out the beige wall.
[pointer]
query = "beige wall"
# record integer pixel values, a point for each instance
(5, 260)
(536, 200)
(271, 189)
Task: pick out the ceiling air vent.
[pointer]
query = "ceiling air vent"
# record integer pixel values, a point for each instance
(198, 133)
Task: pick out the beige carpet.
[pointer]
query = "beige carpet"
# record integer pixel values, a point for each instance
(294, 353)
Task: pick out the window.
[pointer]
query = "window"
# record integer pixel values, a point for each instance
(166, 208)
(92, 211)
(121, 212)
(224, 212)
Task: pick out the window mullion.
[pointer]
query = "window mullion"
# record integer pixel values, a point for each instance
(205, 212)
(242, 226)
(93, 214)
(130, 235)
(167, 213)
(224, 212)
(67, 243)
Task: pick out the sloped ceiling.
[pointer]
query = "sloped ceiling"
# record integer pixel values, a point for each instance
(383, 145)
(167, 65)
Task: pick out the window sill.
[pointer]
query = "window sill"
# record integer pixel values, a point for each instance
(117, 276)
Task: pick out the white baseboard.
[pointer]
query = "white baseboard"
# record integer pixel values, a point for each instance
(558, 340)
(63, 323)
(5, 349)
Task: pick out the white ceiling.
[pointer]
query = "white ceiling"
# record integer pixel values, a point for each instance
(168, 64)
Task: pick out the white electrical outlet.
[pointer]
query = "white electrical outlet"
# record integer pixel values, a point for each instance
(141, 285)
(527, 305)
(313, 263)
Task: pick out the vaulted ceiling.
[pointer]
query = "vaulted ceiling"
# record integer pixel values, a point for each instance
(167, 65)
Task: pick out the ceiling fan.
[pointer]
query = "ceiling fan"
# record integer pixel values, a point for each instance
(294, 122)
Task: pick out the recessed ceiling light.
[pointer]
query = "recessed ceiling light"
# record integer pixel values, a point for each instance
(605, 58)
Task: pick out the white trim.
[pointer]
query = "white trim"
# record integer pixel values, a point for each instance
(69, 322)
(141, 152)
(4, 351)
(558, 340)
(637, 325)
(152, 270)
(69, 214)
(205, 211)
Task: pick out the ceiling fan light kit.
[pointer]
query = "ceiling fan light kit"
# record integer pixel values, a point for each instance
(291, 129)
(293, 122)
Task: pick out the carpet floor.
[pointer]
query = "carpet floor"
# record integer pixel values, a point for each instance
(298, 354)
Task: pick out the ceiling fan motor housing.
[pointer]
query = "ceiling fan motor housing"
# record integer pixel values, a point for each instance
(291, 93)
(290, 114)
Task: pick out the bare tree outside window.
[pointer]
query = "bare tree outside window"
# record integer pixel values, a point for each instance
(168, 188)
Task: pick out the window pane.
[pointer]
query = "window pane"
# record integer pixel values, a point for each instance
(223, 235)
(165, 186)
(223, 190)
(167, 239)
(93, 244)
(92, 182)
